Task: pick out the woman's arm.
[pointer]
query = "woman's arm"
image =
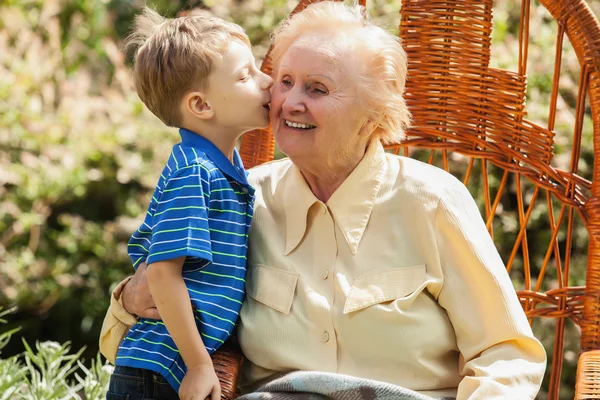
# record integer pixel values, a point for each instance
(129, 299)
(136, 296)
(500, 357)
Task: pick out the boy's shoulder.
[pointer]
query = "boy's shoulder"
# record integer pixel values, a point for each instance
(190, 160)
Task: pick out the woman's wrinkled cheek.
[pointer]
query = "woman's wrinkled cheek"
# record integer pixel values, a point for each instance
(275, 109)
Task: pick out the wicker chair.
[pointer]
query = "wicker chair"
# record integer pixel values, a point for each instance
(469, 116)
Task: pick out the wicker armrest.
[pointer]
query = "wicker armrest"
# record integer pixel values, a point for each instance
(227, 362)
(587, 385)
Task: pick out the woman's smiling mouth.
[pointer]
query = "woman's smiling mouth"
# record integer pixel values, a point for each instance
(298, 125)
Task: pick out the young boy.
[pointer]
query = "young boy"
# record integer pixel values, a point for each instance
(198, 74)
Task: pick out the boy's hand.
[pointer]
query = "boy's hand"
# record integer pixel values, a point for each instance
(200, 382)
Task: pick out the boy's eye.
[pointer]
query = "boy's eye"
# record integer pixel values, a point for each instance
(286, 82)
(245, 78)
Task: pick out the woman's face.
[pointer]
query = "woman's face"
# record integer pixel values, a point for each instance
(314, 110)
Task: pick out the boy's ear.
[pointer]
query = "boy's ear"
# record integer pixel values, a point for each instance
(197, 105)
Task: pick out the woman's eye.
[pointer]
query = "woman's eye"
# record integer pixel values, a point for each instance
(319, 90)
(286, 82)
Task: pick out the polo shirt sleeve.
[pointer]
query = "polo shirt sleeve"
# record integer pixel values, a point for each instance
(501, 359)
(180, 220)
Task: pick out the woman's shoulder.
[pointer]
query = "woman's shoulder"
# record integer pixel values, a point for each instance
(423, 177)
(269, 172)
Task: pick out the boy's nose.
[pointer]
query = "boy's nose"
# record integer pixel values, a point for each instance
(267, 82)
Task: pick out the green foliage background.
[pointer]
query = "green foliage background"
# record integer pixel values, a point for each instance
(79, 154)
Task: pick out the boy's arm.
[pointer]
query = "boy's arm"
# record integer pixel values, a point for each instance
(173, 302)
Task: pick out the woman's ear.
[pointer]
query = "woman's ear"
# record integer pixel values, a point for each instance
(196, 104)
(367, 129)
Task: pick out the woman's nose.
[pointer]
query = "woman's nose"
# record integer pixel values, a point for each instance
(293, 101)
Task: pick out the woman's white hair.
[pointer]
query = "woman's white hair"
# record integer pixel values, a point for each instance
(382, 60)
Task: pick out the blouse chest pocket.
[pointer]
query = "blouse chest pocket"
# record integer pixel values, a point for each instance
(272, 287)
(398, 283)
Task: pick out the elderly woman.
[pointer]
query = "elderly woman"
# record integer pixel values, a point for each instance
(361, 262)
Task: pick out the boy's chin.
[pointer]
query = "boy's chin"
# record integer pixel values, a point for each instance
(264, 125)
(261, 126)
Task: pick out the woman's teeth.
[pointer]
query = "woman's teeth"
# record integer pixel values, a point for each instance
(297, 125)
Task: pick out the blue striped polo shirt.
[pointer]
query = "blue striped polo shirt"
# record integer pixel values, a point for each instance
(201, 209)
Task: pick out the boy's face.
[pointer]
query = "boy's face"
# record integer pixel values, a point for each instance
(238, 92)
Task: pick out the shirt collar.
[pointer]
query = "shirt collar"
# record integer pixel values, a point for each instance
(297, 200)
(350, 205)
(235, 170)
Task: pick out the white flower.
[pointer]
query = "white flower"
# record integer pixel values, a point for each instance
(107, 368)
(50, 345)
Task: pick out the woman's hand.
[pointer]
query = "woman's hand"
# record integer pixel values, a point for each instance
(136, 296)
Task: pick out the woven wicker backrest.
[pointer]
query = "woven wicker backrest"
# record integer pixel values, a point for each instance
(471, 120)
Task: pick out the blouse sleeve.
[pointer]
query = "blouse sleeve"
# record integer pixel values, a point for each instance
(116, 324)
(500, 357)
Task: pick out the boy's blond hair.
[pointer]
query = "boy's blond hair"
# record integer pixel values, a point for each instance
(173, 56)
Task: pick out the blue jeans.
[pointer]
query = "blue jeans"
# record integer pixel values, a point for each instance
(138, 384)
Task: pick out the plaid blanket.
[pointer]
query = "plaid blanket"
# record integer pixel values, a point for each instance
(309, 385)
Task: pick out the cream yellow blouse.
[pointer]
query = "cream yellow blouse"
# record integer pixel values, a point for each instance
(395, 278)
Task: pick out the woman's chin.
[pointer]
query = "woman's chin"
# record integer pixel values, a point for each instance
(294, 142)
(294, 150)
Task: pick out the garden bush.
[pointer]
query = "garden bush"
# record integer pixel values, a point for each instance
(50, 372)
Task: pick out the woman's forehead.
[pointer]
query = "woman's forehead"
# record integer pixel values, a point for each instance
(306, 54)
(325, 41)
(306, 57)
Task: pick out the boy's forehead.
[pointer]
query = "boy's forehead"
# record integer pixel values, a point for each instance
(236, 56)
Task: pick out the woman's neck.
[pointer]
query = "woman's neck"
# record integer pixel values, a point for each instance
(324, 177)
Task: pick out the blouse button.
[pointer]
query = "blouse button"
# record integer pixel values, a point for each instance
(326, 274)
(325, 337)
